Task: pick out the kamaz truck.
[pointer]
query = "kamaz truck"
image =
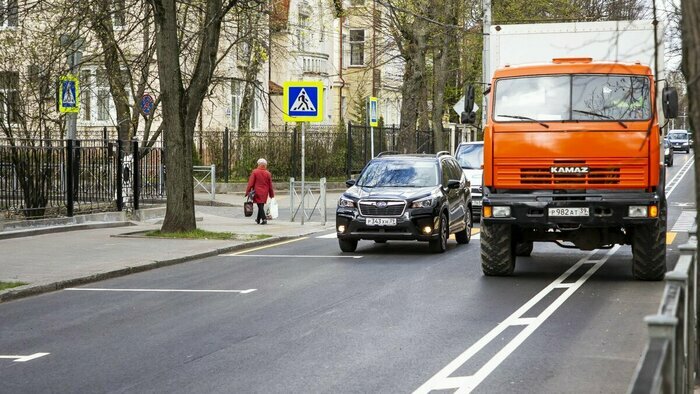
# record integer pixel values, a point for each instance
(573, 150)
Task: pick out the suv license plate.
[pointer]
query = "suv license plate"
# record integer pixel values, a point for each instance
(380, 221)
(568, 212)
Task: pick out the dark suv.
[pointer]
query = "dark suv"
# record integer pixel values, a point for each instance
(406, 197)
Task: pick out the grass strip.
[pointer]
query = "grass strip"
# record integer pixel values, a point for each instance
(9, 285)
(207, 235)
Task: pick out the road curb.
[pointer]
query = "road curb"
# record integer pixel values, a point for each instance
(32, 290)
(61, 229)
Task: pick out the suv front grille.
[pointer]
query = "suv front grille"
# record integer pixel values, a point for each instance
(381, 208)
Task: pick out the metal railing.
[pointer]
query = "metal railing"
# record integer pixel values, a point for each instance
(305, 202)
(670, 360)
(204, 175)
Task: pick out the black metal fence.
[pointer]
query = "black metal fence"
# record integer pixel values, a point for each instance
(49, 178)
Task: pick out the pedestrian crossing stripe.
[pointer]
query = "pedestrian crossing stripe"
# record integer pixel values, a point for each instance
(685, 222)
(302, 103)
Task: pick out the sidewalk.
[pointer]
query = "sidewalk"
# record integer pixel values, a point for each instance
(65, 258)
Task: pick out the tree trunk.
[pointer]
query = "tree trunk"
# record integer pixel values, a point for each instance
(181, 106)
(690, 27)
(440, 65)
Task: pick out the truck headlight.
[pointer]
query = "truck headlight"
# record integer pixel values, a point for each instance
(346, 202)
(637, 211)
(501, 212)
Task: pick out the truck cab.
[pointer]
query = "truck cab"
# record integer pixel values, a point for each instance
(572, 155)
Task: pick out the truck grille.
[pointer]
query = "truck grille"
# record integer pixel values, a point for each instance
(627, 173)
(381, 208)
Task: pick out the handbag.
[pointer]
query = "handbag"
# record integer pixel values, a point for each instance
(248, 206)
(273, 208)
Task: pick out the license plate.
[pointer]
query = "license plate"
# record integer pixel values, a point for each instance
(568, 212)
(380, 221)
(476, 203)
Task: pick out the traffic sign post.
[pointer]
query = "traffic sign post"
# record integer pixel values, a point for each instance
(373, 120)
(302, 102)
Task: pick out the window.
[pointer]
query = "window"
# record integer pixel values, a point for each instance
(103, 96)
(303, 33)
(8, 13)
(357, 47)
(235, 102)
(95, 95)
(9, 96)
(85, 96)
(118, 14)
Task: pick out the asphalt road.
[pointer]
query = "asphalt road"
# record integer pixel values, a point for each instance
(389, 318)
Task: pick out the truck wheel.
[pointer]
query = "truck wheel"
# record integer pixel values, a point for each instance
(440, 245)
(463, 237)
(524, 249)
(649, 252)
(497, 254)
(347, 245)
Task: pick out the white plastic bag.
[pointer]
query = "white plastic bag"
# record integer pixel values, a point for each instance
(274, 208)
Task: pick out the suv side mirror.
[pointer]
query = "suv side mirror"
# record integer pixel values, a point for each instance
(468, 115)
(453, 184)
(669, 102)
(350, 183)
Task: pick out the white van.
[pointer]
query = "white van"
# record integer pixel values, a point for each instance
(470, 156)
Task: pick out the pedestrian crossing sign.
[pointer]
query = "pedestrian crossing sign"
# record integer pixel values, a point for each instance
(373, 115)
(68, 94)
(303, 101)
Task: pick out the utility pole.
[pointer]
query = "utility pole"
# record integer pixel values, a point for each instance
(485, 57)
(73, 44)
(374, 48)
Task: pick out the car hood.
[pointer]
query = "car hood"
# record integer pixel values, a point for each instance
(474, 176)
(389, 193)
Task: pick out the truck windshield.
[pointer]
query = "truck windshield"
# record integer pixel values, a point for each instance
(599, 97)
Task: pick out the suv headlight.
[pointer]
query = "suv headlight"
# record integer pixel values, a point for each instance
(425, 202)
(346, 202)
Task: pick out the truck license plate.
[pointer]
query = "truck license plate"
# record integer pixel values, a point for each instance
(380, 221)
(476, 203)
(568, 212)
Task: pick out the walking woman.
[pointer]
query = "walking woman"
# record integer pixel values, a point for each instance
(260, 183)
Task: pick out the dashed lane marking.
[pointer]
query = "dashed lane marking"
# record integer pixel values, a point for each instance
(265, 247)
(301, 256)
(685, 222)
(671, 186)
(24, 359)
(444, 380)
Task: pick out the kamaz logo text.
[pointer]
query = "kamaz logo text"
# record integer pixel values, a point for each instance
(568, 170)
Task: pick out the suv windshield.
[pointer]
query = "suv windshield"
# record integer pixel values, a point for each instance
(399, 173)
(471, 156)
(678, 136)
(597, 97)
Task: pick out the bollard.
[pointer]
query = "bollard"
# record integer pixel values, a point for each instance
(292, 206)
(213, 182)
(322, 185)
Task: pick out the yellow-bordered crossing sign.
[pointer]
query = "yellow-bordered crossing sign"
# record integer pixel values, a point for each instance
(68, 94)
(302, 101)
(373, 112)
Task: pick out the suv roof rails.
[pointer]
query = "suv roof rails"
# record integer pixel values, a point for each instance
(389, 152)
(442, 153)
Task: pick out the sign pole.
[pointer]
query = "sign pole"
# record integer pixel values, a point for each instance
(303, 171)
(371, 139)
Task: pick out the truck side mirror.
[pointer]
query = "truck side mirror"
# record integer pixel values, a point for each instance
(468, 116)
(669, 102)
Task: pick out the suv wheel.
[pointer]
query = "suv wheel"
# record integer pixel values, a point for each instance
(463, 237)
(347, 245)
(440, 245)
(497, 249)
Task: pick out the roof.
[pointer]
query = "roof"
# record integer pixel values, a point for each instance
(573, 67)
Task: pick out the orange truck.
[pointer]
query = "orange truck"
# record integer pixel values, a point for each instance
(573, 155)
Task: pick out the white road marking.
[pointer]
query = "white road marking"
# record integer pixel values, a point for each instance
(266, 246)
(294, 256)
(685, 222)
(328, 236)
(465, 384)
(671, 186)
(162, 290)
(23, 359)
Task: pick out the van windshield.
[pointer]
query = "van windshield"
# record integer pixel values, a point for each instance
(678, 136)
(599, 97)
